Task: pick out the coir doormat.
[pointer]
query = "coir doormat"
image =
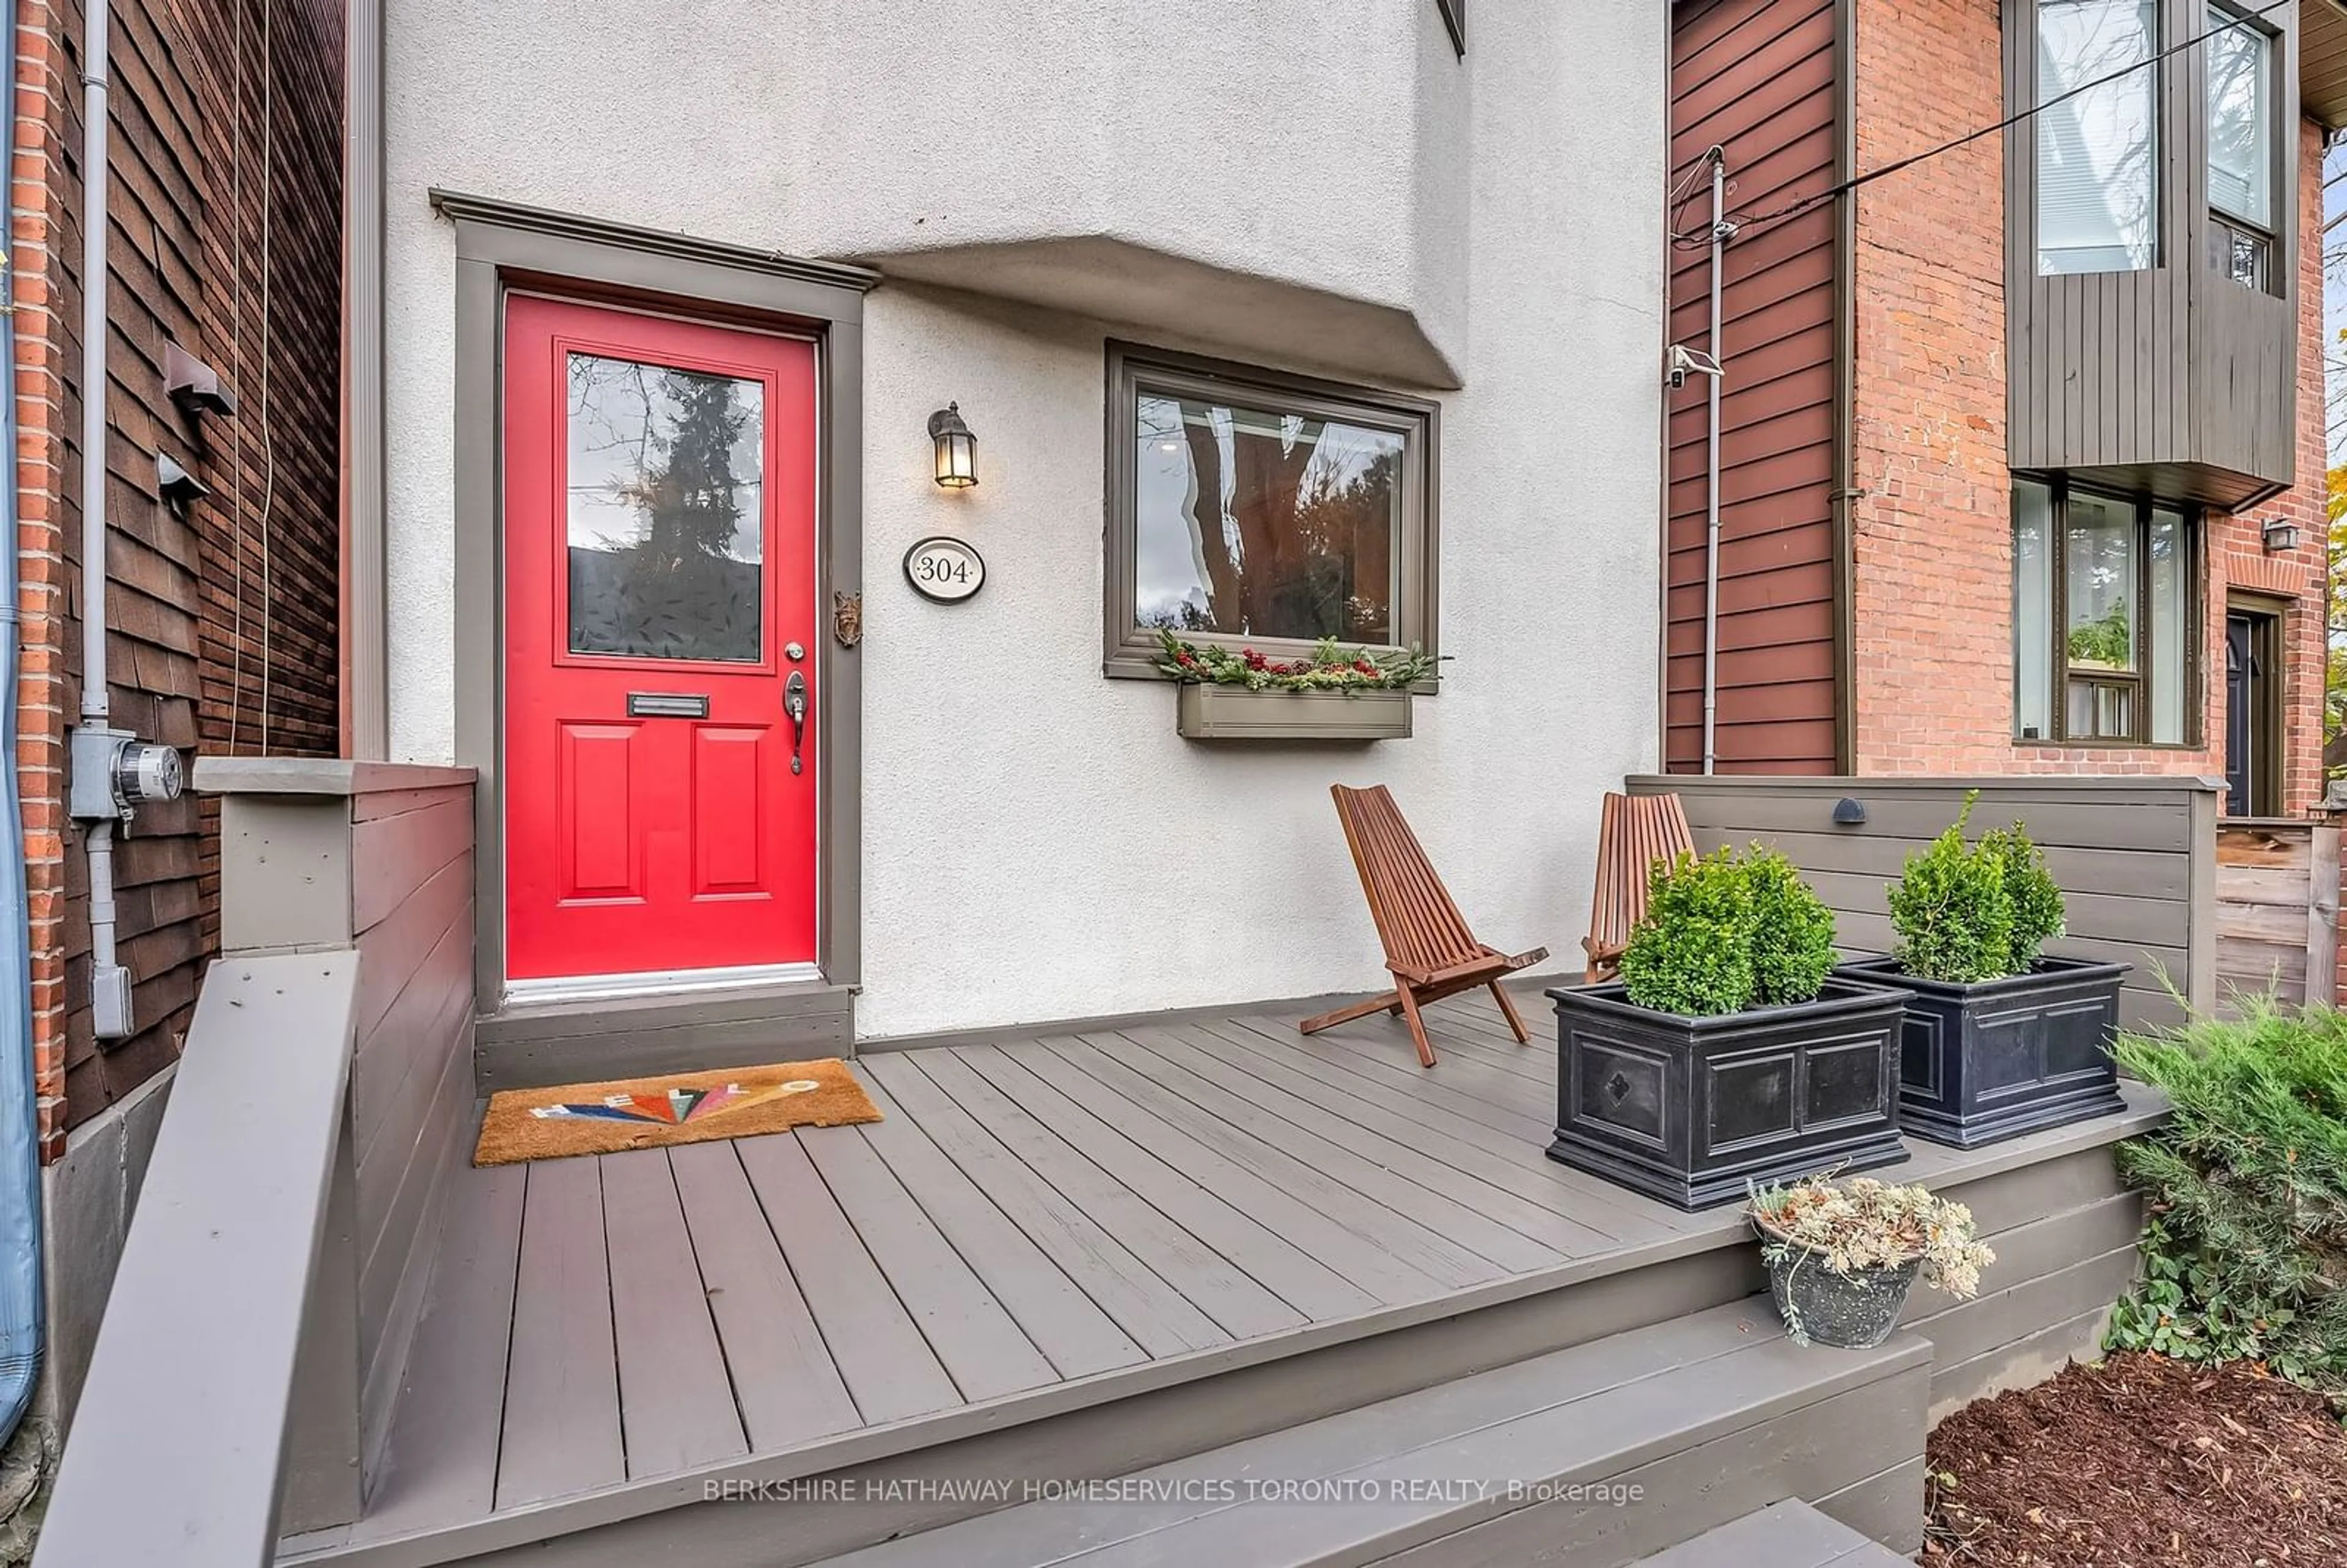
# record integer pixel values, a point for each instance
(681, 1108)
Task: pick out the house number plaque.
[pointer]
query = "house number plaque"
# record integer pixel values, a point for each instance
(946, 569)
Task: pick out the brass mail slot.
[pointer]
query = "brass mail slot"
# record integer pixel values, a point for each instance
(668, 705)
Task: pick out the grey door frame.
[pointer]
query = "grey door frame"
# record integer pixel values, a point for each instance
(502, 246)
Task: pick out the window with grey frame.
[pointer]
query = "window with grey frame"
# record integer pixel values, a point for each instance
(2106, 605)
(1257, 509)
(2243, 147)
(2098, 139)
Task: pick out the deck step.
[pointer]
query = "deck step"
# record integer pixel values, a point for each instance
(1589, 1458)
(1789, 1534)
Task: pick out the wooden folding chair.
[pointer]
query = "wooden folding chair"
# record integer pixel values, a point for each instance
(1636, 831)
(1429, 949)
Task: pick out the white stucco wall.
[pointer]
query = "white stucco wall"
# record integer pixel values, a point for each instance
(1039, 841)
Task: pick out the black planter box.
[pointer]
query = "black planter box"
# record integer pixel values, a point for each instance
(1687, 1110)
(1989, 1062)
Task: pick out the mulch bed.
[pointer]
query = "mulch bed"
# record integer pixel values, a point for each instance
(2142, 1463)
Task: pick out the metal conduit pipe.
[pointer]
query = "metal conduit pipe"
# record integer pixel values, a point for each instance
(1720, 233)
(98, 836)
(110, 769)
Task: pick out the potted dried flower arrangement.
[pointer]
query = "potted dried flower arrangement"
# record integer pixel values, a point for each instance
(1727, 1053)
(2001, 1038)
(1843, 1255)
(1333, 693)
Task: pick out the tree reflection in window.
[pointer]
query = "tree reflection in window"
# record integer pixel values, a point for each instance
(665, 511)
(1257, 523)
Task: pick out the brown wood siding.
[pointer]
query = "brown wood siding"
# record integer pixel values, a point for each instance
(2174, 379)
(1758, 78)
(225, 238)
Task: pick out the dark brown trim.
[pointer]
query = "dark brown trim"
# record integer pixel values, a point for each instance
(2060, 488)
(1128, 652)
(499, 246)
(2269, 780)
(1846, 493)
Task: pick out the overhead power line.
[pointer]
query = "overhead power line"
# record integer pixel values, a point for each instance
(1700, 238)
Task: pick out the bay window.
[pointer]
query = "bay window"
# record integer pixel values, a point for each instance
(2097, 148)
(2105, 593)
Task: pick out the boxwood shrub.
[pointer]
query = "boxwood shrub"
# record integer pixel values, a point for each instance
(1970, 912)
(1729, 932)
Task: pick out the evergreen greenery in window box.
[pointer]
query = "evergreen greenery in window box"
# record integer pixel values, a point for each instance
(2000, 1038)
(1727, 1053)
(1331, 694)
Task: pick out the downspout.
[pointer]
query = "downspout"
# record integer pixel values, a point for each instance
(1719, 237)
(23, 1305)
(1846, 493)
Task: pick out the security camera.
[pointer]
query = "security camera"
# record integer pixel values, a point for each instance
(1684, 362)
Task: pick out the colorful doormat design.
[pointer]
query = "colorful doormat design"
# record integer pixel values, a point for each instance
(682, 1108)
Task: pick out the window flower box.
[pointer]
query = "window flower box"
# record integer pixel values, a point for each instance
(1334, 694)
(1206, 712)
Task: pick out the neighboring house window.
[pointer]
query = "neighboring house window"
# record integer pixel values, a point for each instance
(2097, 148)
(2105, 593)
(1257, 509)
(2241, 146)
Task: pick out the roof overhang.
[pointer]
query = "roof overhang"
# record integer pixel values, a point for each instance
(2322, 61)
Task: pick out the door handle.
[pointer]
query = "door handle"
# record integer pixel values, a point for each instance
(794, 703)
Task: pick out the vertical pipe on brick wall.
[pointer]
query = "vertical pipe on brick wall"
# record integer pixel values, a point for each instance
(1711, 467)
(22, 1305)
(98, 835)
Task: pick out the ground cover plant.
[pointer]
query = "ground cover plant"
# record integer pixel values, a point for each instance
(2245, 1252)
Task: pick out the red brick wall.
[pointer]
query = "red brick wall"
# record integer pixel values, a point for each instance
(1932, 587)
(223, 237)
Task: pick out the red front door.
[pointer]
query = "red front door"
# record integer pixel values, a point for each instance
(660, 582)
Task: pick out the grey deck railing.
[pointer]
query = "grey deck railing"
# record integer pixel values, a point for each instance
(255, 1336)
(2135, 855)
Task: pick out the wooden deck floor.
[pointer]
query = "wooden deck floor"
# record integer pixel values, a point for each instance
(1034, 1226)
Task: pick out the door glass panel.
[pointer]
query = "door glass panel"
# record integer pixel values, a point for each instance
(665, 511)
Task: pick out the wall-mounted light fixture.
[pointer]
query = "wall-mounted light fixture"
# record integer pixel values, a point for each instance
(1849, 813)
(2280, 535)
(957, 448)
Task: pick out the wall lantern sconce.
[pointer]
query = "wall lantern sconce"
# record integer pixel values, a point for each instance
(2277, 536)
(957, 448)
